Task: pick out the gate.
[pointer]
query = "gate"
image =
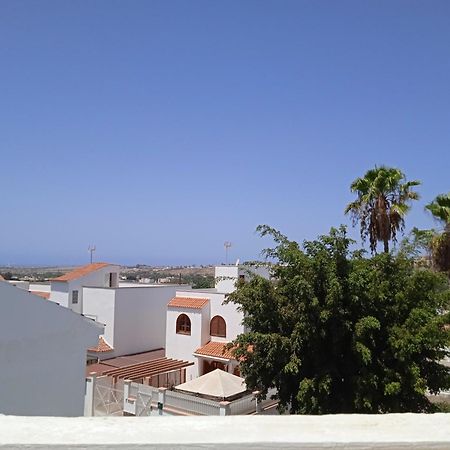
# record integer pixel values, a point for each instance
(108, 397)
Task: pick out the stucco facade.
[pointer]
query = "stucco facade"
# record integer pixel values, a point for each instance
(337, 432)
(42, 355)
(69, 293)
(183, 346)
(134, 317)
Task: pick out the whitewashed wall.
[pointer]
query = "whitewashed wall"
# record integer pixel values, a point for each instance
(42, 287)
(181, 346)
(233, 318)
(99, 278)
(59, 293)
(140, 318)
(135, 317)
(19, 284)
(337, 432)
(42, 355)
(99, 304)
(226, 276)
(62, 291)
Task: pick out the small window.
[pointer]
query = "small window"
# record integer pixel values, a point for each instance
(74, 297)
(218, 327)
(183, 324)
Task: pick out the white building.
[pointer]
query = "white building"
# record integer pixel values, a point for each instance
(134, 315)
(67, 290)
(199, 324)
(42, 355)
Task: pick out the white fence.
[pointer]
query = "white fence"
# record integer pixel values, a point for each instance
(104, 398)
(190, 404)
(108, 397)
(244, 405)
(146, 398)
(249, 404)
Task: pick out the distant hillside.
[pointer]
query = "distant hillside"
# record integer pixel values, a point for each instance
(200, 277)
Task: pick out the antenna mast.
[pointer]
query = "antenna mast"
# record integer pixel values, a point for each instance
(91, 250)
(227, 245)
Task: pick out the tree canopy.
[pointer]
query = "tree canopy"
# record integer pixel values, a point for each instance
(383, 197)
(440, 244)
(335, 332)
(440, 209)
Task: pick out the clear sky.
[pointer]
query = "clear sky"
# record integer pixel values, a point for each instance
(160, 129)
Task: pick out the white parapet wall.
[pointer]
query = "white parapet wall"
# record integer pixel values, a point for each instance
(390, 431)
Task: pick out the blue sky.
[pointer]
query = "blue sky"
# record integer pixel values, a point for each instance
(160, 129)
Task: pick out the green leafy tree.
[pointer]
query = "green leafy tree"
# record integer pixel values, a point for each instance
(440, 245)
(419, 243)
(335, 332)
(383, 197)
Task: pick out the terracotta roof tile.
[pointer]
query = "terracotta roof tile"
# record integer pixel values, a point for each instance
(41, 294)
(102, 346)
(81, 272)
(215, 350)
(188, 302)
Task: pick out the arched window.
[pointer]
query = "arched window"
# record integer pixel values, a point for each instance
(183, 324)
(218, 327)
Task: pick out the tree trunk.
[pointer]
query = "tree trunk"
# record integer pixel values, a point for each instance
(386, 246)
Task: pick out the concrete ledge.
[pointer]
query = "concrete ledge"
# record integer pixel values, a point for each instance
(391, 431)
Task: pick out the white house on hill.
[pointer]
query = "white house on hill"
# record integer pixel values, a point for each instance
(199, 324)
(42, 355)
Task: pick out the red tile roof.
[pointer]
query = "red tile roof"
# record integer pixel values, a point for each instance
(41, 294)
(81, 272)
(102, 346)
(188, 302)
(215, 350)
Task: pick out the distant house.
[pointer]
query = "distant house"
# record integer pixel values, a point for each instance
(42, 355)
(134, 314)
(67, 290)
(199, 324)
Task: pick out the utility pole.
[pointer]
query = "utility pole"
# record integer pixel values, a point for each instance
(91, 250)
(227, 245)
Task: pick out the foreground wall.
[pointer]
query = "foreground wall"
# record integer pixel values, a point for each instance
(42, 355)
(391, 431)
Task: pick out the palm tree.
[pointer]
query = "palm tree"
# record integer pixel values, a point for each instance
(382, 203)
(440, 208)
(440, 245)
